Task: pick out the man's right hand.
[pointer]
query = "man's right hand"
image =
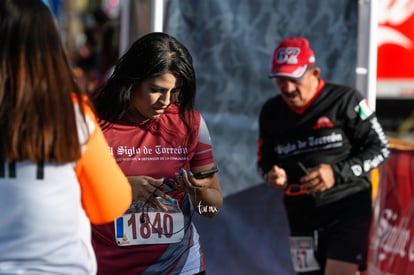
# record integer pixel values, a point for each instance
(276, 177)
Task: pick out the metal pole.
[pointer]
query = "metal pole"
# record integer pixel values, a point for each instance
(366, 70)
(157, 16)
(124, 28)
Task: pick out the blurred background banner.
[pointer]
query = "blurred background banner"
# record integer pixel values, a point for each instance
(232, 43)
(396, 49)
(392, 241)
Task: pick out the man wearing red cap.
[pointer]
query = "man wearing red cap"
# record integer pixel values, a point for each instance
(318, 141)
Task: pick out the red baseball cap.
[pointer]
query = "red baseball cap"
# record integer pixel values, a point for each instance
(291, 58)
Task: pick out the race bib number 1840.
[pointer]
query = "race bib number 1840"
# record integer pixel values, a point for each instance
(152, 226)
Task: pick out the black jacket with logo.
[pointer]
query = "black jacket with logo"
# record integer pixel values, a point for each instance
(337, 128)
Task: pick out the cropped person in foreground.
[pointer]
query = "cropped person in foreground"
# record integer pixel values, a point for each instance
(56, 174)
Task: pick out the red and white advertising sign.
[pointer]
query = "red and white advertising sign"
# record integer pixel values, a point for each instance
(392, 234)
(395, 63)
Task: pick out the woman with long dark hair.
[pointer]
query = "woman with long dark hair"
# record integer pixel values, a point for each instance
(163, 145)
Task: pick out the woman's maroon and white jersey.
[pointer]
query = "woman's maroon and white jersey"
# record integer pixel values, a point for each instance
(158, 148)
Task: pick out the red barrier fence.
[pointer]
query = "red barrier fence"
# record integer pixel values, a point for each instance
(392, 234)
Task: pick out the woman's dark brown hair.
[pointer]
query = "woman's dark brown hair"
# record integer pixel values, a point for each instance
(37, 117)
(151, 55)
